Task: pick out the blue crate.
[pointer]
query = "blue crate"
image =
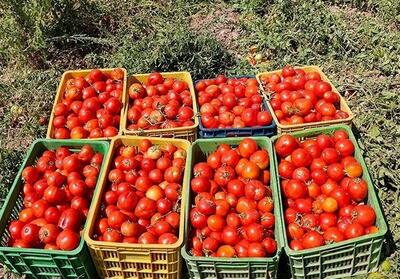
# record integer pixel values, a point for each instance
(237, 132)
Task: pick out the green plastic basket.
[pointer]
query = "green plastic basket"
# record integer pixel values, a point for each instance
(40, 263)
(212, 267)
(351, 257)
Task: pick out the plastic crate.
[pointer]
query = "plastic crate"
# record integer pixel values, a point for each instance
(282, 129)
(60, 90)
(188, 133)
(40, 263)
(123, 260)
(213, 267)
(351, 257)
(268, 131)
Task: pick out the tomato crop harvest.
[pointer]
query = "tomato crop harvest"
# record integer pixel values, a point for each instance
(159, 103)
(232, 213)
(141, 203)
(56, 197)
(324, 193)
(231, 103)
(90, 106)
(300, 97)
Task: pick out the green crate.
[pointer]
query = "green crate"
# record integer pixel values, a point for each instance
(212, 267)
(40, 263)
(347, 258)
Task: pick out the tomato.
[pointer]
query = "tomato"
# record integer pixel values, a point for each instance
(301, 158)
(172, 191)
(341, 196)
(296, 245)
(354, 230)
(286, 169)
(236, 187)
(30, 234)
(233, 220)
(247, 147)
(345, 147)
(39, 207)
(269, 245)
(330, 155)
(295, 189)
(164, 206)
(173, 174)
(223, 175)
(333, 234)
(327, 220)
(256, 250)
(173, 218)
(52, 215)
(54, 194)
(200, 184)
(145, 208)
(250, 170)
(254, 232)
(358, 189)
(111, 235)
(304, 205)
(48, 233)
(265, 205)
(216, 223)
(328, 186)
(371, 229)
(330, 204)
(78, 188)
(230, 235)
(255, 190)
(353, 169)
(295, 231)
(268, 220)
(226, 251)
(312, 239)
(15, 228)
(285, 145)
(167, 238)
(364, 215)
(30, 174)
(70, 219)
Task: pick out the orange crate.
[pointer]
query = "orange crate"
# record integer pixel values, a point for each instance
(60, 90)
(189, 133)
(283, 129)
(123, 260)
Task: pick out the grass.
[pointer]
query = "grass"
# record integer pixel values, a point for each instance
(356, 43)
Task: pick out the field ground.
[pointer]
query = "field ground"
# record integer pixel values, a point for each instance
(356, 43)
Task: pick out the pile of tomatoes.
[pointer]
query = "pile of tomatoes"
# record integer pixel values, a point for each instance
(90, 106)
(160, 103)
(301, 97)
(231, 103)
(57, 195)
(142, 199)
(232, 214)
(324, 192)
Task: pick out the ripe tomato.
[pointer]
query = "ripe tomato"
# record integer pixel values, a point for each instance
(247, 147)
(70, 219)
(30, 234)
(354, 230)
(312, 239)
(333, 234)
(48, 233)
(357, 189)
(285, 145)
(327, 220)
(364, 215)
(295, 189)
(145, 208)
(15, 228)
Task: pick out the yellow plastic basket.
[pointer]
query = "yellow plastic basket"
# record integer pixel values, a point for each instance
(123, 260)
(61, 87)
(284, 129)
(189, 133)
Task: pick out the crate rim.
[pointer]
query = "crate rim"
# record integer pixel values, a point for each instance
(79, 248)
(96, 244)
(246, 129)
(371, 190)
(278, 238)
(312, 124)
(124, 122)
(50, 128)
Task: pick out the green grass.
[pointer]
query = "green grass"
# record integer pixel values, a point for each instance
(356, 43)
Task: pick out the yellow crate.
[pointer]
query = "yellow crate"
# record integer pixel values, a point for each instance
(60, 90)
(124, 260)
(283, 129)
(189, 133)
